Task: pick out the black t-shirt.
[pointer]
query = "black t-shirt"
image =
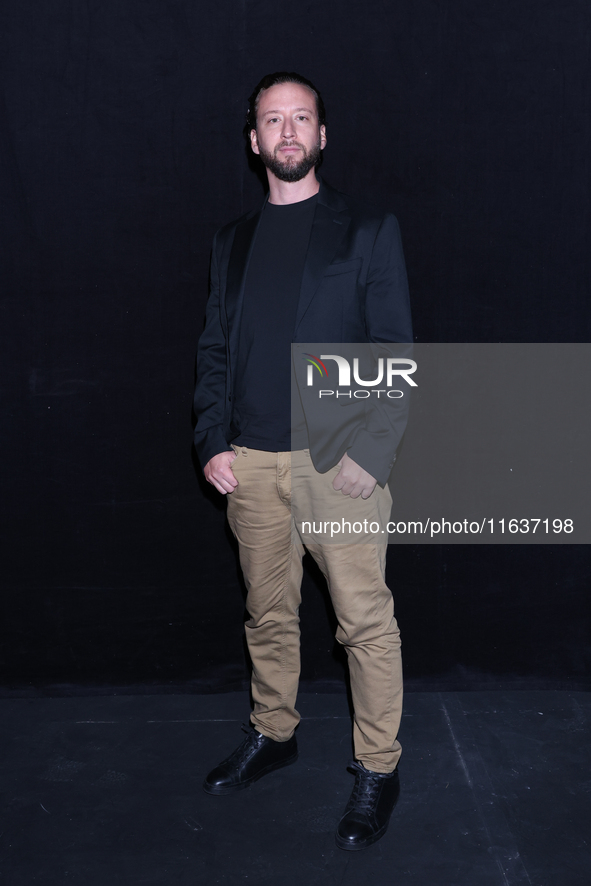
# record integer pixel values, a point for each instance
(262, 410)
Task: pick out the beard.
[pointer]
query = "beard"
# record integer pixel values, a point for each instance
(290, 169)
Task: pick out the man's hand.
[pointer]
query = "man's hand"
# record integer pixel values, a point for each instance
(219, 473)
(353, 480)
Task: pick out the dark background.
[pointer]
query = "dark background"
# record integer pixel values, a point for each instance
(120, 138)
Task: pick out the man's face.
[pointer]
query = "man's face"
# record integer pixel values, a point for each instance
(288, 137)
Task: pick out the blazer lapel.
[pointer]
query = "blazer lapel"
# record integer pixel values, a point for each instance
(328, 229)
(237, 268)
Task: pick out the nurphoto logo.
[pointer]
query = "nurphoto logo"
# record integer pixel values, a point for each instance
(388, 370)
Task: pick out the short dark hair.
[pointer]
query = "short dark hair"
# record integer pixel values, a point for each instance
(272, 80)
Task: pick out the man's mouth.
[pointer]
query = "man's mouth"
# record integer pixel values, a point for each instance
(289, 149)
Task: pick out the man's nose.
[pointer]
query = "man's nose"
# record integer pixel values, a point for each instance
(288, 129)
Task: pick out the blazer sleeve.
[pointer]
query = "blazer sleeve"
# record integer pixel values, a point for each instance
(211, 394)
(388, 319)
(387, 303)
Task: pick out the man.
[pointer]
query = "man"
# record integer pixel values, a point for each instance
(311, 265)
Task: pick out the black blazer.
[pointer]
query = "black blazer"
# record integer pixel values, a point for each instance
(354, 289)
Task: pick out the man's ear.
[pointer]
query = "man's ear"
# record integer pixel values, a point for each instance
(322, 137)
(253, 141)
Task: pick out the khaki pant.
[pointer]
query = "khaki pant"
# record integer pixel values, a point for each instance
(271, 551)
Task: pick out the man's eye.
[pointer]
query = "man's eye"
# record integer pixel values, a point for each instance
(302, 117)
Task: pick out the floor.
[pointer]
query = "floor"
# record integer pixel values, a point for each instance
(107, 790)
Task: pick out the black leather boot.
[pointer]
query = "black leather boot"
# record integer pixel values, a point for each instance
(255, 757)
(369, 808)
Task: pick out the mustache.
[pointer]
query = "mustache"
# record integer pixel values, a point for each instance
(290, 145)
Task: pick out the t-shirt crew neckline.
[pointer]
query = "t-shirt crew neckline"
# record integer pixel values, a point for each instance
(282, 207)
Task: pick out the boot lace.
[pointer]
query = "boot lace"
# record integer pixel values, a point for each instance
(366, 789)
(246, 747)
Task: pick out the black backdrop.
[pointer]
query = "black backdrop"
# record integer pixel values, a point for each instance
(120, 138)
